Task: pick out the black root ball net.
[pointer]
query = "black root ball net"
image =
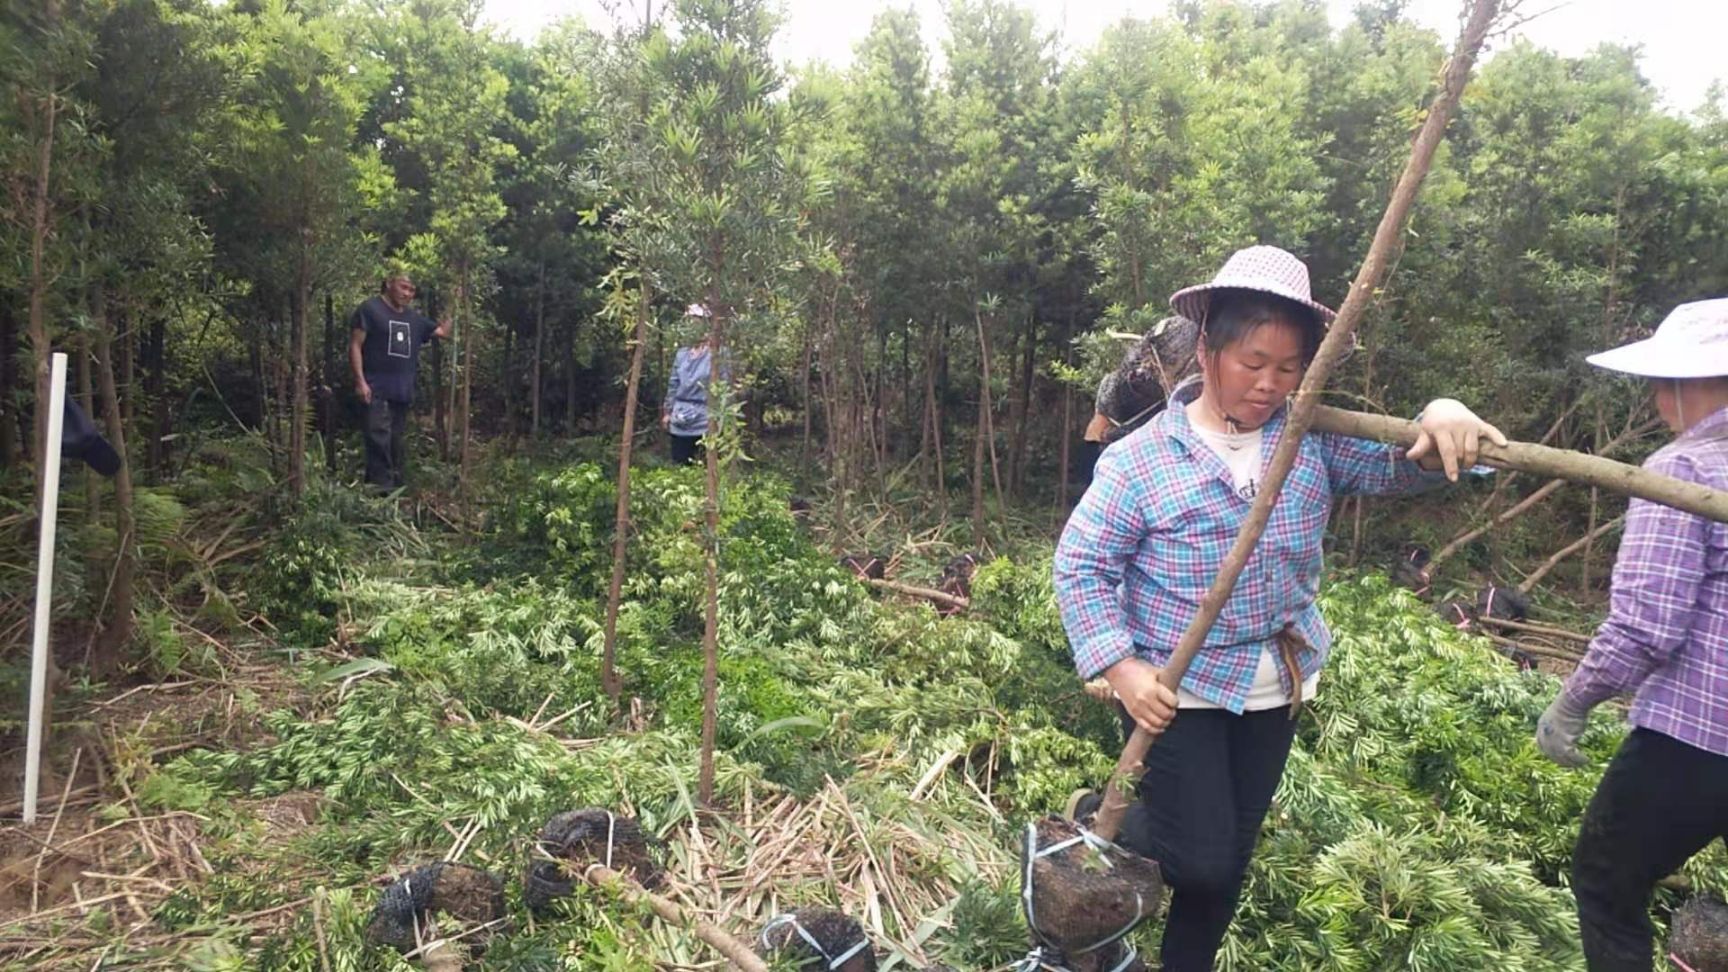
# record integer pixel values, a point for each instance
(1081, 895)
(576, 839)
(817, 938)
(463, 892)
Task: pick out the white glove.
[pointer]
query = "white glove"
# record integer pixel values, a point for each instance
(1451, 433)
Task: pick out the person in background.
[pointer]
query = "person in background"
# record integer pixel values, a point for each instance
(1129, 395)
(685, 414)
(1664, 796)
(1149, 536)
(385, 335)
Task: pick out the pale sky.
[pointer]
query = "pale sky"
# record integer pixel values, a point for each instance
(1683, 40)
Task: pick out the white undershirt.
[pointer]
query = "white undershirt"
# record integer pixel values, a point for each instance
(1241, 454)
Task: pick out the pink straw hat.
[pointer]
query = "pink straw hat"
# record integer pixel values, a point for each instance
(1266, 269)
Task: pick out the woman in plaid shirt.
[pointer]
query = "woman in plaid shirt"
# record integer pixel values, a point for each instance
(1664, 796)
(1149, 536)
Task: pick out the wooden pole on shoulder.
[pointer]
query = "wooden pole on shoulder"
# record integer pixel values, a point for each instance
(1577, 467)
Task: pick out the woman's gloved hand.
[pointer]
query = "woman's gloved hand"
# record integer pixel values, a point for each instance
(1450, 435)
(1558, 730)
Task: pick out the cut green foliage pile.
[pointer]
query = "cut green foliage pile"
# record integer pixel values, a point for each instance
(873, 757)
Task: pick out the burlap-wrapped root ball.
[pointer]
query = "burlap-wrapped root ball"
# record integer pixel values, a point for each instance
(462, 892)
(816, 939)
(1079, 893)
(1699, 935)
(575, 839)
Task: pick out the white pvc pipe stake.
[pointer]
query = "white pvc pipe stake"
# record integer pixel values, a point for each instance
(44, 581)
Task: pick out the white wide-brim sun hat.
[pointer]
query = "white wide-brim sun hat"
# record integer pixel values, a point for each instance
(1691, 342)
(1267, 269)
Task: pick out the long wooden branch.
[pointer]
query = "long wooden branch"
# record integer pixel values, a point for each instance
(1546, 630)
(1546, 651)
(1547, 437)
(1577, 467)
(1630, 434)
(1506, 516)
(1567, 551)
(1338, 338)
(927, 593)
(728, 945)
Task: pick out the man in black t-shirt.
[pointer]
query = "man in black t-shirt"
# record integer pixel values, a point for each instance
(383, 349)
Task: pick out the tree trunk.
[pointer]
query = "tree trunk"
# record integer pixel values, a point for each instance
(621, 531)
(989, 411)
(41, 217)
(539, 348)
(933, 407)
(274, 398)
(37, 321)
(908, 406)
(87, 401)
(835, 420)
(570, 388)
(327, 400)
(161, 417)
(299, 306)
(1022, 408)
(1019, 451)
(10, 449)
(711, 576)
(978, 433)
(1063, 459)
(254, 360)
(118, 629)
(804, 385)
(126, 336)
(508, 384)
(878, 411)
(440, 381)
(463, 301)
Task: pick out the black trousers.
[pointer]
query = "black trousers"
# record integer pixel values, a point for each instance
(386, 450)
(1209, 782)
(1660, 802)
(686, 449)
(1086, 456)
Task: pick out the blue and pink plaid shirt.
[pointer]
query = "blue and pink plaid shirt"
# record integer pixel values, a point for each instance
(1666, 636)
(1150, 534)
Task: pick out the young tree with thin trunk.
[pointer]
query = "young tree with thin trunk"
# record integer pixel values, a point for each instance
(704, 204)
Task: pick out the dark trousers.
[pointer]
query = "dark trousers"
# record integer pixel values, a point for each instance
(386, 451)
(1088, 454)
(1660, 802)
(1209, 781)
(686, 449)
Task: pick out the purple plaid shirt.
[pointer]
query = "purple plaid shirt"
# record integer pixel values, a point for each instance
(1666, 636)
(1150, 534)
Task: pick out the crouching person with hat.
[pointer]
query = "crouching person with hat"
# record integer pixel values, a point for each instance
(1664, 796)
(1149, 537)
